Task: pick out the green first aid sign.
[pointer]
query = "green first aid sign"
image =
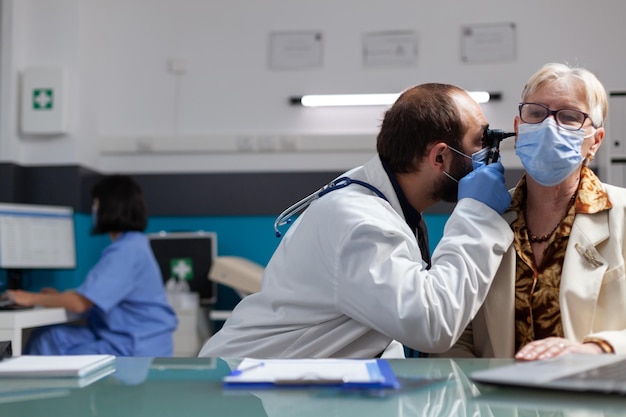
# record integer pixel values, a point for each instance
(43, 98)
(181, 268)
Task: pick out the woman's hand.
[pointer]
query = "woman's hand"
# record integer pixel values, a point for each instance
(69, 300)
(551, 347)
(23, 298)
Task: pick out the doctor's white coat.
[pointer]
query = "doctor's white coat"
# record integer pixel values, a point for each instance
(348, 279)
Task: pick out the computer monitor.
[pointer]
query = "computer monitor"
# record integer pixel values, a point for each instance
(188, 256)
(35, 237)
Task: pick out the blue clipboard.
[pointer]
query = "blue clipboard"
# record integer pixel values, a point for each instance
(309, 373)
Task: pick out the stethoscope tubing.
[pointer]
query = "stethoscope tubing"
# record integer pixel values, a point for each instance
(297, 208)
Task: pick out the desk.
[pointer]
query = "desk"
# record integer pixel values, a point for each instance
(13, 322)
(192, 387)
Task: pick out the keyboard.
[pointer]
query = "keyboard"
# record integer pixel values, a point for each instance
(7, 303)
(612, 372)
(11, 307)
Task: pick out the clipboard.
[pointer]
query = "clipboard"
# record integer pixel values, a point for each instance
(301, 373)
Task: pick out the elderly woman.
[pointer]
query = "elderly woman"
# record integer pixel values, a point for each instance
(561, 287)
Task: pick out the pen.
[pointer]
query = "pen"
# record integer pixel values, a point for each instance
(240, 371)
(311, 381)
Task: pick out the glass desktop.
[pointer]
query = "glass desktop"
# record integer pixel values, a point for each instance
(193, 387)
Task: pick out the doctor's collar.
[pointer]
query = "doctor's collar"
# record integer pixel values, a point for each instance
(412, 216)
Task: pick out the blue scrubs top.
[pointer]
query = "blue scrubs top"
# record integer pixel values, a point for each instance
(131, 312)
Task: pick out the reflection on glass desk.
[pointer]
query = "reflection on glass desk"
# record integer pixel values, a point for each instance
(189, 387)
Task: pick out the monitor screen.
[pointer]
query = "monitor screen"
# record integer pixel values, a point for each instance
(188, 256)
(36, 237)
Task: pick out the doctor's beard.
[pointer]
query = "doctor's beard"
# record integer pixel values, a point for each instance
(445, 189)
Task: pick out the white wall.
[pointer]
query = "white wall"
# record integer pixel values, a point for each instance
(123, 96)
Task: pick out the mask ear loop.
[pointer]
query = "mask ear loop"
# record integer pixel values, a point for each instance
(591, 134)
(591, 154)
(450, 176)
(459, 152)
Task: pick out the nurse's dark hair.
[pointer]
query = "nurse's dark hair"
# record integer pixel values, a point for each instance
(422, 115)
(121, 206)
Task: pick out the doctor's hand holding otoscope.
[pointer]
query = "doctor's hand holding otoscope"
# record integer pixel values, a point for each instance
(489, 176)
(492, 139)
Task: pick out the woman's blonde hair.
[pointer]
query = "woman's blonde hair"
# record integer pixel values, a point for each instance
(594, 90)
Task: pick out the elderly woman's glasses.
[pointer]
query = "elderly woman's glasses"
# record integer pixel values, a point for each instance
(566, 118)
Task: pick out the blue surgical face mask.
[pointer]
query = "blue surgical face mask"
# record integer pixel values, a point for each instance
(548, 152)
(478, 158)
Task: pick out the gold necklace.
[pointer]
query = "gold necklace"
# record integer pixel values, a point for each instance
(544, 238)
(540, 239)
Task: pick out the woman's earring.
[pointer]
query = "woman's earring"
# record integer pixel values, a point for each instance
(590, 156)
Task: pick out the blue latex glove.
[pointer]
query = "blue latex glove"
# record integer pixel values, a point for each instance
(486, 184)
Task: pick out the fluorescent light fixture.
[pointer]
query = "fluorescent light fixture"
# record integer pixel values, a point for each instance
(480, 96)
(336, 100)
(349, 100)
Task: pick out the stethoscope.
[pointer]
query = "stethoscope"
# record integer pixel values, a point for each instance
(297, 208)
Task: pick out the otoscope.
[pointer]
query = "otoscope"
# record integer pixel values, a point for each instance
(492, 138)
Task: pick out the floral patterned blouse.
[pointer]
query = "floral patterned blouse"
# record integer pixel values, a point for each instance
(537, 310)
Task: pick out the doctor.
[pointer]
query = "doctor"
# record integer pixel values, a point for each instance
(353, 278)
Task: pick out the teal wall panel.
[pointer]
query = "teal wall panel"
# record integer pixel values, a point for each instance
(251, 237)
(435, 224)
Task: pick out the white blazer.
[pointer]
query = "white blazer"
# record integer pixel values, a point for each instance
(592, 294)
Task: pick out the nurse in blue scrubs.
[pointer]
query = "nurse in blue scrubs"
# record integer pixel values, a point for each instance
(122, 298)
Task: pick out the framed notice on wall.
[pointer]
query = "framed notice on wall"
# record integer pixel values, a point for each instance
(295, 50)
(390, 49)
(488, 43)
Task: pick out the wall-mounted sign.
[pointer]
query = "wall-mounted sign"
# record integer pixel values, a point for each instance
(295, 50)
(488, 43)
(390, 49)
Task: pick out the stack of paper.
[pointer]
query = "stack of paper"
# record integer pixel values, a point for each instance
(54, 366)
(35, 377)
(349, 373)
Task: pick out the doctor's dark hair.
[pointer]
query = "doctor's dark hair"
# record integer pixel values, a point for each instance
(121, 206)
(422, 115)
